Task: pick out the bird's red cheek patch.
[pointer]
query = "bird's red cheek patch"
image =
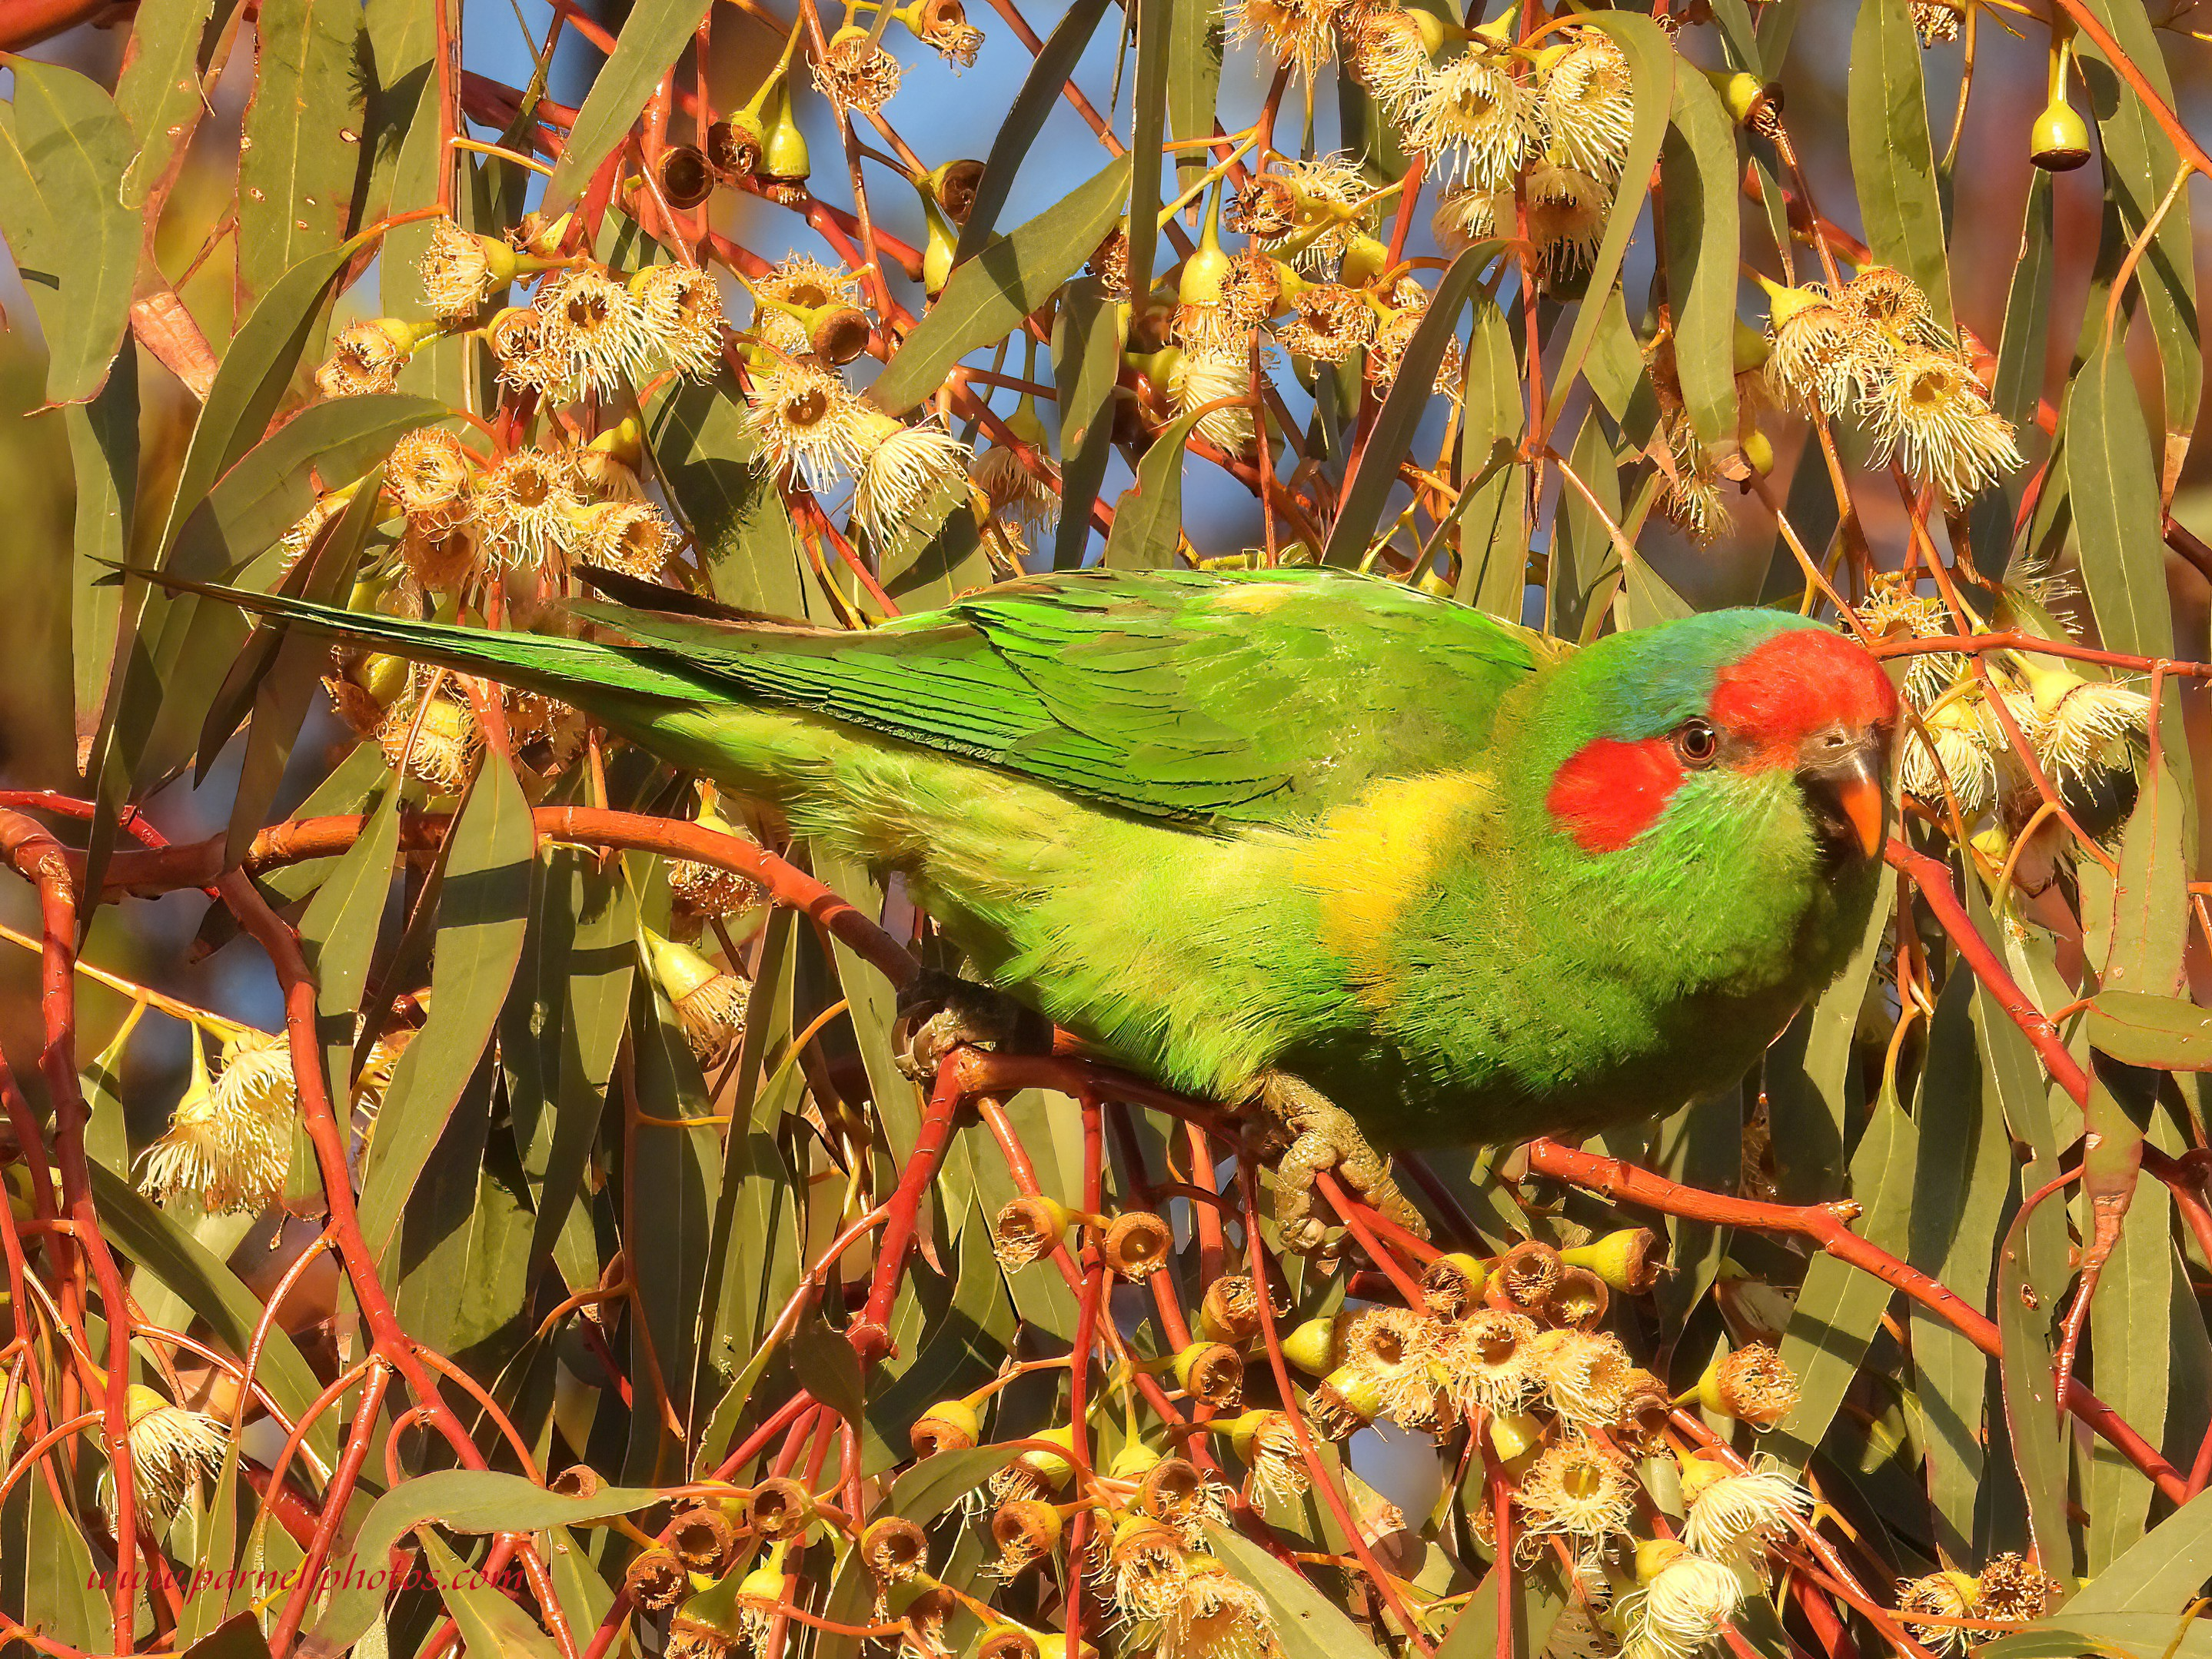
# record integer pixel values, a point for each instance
(1608, 793)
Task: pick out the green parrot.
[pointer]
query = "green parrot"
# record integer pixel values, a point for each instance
(1397, 872)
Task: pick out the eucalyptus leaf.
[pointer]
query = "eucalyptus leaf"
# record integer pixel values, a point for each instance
(63, 150)
(1893, 158)
(652, 38)
(985, 297)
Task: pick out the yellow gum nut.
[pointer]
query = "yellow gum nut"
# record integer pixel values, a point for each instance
(1453, 1284)
(1365, 260)
(1750, 347)
(1133, 1462)
(1313, 1347)
(1700, 1473)
(1512, 1434)
(949, 1426)
(1629, 1261)
(2059, 140)
(1744, 93)
(1654, 1555)
(784, 156)
(1210, 1371)
(1784, 303)
(384, 678)
(1052, 1466)
(1758, 451)
(1360, 1389)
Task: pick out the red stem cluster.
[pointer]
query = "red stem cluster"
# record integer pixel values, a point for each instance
(968, 1078)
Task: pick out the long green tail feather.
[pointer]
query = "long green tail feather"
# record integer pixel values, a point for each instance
(583, 673)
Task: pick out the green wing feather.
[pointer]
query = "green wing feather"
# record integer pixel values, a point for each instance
(1256, 697)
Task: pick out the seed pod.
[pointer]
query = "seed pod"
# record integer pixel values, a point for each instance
(923, 1605)
(1172, 1490)
(781, 1509)
(1522, 1278)
(764, 1585)
(656, 1580)
(1231, 1309)
(686, 177)
(1577, 1301)
(1052, 1468)
(1037, 1473)
(944, 24)
(1751, 1385)
(2059, 141)
(955, 183)
(1631, 1259)
(1008, 1641)
(1134, 1462)
(703, 1540)
(1136, 1242)
(949, 1426)
(1026, 1229)
(577, 1481)
(838, 334)
(1645, 1411)
(1025, 1529)
(1211, 1373)
(1452, 1285)
(1752, 103)
(734, 146)
(1347, 1400)
(893, 1549)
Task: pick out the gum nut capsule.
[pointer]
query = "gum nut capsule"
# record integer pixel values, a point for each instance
(686, 179)
(1629, 1261)
(893, 1548)
(2059, 141)
(734, 146)
(949, 1426)
(781, 1508)
(1452, 1285)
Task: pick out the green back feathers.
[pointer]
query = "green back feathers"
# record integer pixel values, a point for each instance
(1262, 698)
(1257, 698)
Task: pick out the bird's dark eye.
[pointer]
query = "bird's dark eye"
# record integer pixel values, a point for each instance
(1697, 743)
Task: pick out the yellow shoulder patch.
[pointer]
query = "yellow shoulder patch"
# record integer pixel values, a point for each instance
(1253, 598)
(1370, 860)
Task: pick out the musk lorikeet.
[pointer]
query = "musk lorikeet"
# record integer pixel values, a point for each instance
(1399, 872)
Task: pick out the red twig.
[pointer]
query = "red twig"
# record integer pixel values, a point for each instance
(1823, 1224)
(38, 857)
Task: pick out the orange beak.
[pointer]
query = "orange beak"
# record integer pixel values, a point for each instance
(1842, 783)
(1867, 810)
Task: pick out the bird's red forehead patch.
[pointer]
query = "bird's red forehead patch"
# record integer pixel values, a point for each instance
(1608, 793)
(1798, 683)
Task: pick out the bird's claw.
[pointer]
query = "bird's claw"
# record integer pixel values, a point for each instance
(1315, 1134)
(938, 1012)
